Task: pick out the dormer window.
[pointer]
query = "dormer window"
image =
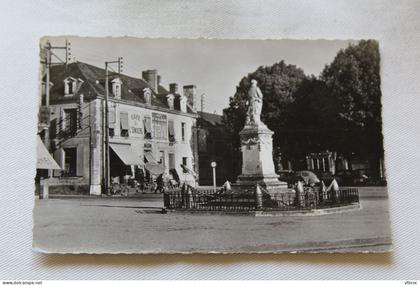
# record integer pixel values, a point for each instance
(116, 88)
(71, 85)
(147, 93)
(171, 101)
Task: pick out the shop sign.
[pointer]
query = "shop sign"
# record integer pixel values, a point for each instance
(159, 117)
(136, 124)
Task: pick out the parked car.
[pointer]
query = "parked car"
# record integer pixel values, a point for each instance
(346, 177)
(309, 177)
(290, 177)
(361, 177)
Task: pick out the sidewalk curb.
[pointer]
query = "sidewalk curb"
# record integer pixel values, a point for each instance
(314, 212)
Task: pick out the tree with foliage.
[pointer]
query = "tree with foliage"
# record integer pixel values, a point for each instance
(308, 120)
(352, 81)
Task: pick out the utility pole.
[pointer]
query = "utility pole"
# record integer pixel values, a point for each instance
(48, 49)
(67, 49)
(203, 100)
(48, 63)
(120, 65)
(107, 172)
(107, 177)
(47, 95)
(44, 193)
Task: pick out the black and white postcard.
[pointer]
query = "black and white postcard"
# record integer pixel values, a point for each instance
(210, 146)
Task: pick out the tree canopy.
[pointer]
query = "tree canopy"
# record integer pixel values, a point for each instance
(353, 84)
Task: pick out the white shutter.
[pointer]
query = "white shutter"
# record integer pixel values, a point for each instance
(62, 121)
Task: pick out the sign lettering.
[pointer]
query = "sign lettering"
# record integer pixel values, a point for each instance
(135, 117)
(135, 130)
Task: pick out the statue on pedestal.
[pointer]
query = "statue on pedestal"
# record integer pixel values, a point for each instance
(255, 104)
(257, 150)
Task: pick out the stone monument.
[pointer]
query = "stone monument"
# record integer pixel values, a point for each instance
(257, 150)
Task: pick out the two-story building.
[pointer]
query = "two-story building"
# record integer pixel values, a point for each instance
(150, 128)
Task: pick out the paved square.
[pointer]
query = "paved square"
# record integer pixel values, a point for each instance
(135, 225)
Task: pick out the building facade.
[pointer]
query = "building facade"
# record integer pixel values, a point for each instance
(151, 129)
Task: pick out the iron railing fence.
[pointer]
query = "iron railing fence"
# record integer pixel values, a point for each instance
(214, 201)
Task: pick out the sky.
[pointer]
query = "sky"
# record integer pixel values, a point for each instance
(214, 66)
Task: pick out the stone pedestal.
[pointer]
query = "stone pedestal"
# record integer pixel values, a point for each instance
(257, 161)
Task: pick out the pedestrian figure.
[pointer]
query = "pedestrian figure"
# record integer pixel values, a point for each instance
(139, 176)
(323, 190)
(159, 184)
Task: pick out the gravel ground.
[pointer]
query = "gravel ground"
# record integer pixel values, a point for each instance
(135, 225)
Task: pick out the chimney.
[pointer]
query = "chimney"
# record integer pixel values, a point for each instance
(183, 104)
(151, 77)
(190, 92)
(173, 88)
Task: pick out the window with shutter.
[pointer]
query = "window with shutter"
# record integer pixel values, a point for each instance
(70, 162)
(171, 131)
(183, 131)
(147, 127)
(124, 124)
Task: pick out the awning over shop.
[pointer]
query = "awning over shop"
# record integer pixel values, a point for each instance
(152, 165)
(128, 155)
(154, 168)
(187, 170)
(44, 158)
(149, 157)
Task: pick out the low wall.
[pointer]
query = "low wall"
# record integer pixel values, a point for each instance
(68, 185)
(314, 202)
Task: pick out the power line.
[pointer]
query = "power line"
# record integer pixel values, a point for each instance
(58, 58)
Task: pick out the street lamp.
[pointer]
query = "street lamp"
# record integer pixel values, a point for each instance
(213, 165)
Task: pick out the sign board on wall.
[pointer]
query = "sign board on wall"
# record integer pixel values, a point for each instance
(136, 124)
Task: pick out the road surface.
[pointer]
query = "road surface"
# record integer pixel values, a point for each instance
(136, 225)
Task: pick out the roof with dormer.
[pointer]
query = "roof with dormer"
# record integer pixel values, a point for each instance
(93, 85)
(211, 118)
